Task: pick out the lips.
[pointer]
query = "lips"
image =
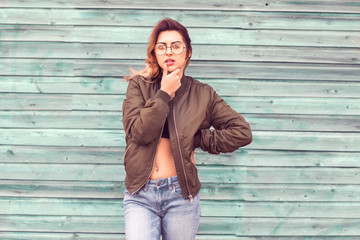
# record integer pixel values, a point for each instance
(169, 61)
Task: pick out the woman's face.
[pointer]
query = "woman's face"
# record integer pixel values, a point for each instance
(173, 61)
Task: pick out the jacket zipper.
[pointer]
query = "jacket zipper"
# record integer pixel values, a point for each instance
(127, 149)
(162, 129)
(181, 157)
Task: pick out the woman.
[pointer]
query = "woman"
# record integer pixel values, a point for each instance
(166, 116)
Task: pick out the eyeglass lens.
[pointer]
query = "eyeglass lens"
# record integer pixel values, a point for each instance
(176, 48)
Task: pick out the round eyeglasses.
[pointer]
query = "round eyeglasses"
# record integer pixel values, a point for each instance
(176, 48)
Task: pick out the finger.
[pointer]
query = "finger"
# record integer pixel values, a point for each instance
(193, 157)
(165, 72)
(175, 72)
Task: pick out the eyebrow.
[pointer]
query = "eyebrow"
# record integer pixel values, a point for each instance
(171, 43)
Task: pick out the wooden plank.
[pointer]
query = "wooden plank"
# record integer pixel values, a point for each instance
(303, 122)
(210, 19)
(99, 236)
(244, 105)
(231, 237)
(239, 209)
(293, 89)
(214, 52)
(79, 85)
(227, 237)
(96, 236)
(50, 154)
(284, 105)
(61, 102)
(63, 172)
(115, 172)
(63, 119)
(303, 141)
(199, 70)
(299, 193)
(224, 87)
(281, 226)
(113, 120)
(61, 207)
(274, 71)
(62, 189)
(62, 224)
(57, 137)
(242, 157)
(272, 54)
(107, 34)
(247, 5)
(278, 158)
(279, 209)
(209, 191)
(61, 236)
(280, 175)
(235, 226)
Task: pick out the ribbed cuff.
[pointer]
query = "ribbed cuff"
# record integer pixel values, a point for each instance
(163, 96)
(197, 140)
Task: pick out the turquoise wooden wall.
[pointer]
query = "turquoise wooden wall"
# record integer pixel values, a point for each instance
(292, 68)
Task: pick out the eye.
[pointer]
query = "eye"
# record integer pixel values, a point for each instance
(160, 46)
(176, 45)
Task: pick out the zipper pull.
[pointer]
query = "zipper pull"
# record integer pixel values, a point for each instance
(191, 199)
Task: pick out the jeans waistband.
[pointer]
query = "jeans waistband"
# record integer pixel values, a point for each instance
(161, 182)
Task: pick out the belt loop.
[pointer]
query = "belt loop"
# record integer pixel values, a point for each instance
(171, 186)
(145, 188)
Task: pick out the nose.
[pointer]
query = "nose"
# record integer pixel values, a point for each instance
(168, 49)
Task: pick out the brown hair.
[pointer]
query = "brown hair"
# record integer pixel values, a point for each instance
(152, 69)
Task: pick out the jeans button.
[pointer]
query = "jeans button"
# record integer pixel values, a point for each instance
(159, 183)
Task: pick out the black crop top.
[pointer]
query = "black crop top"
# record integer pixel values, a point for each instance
(165, 133)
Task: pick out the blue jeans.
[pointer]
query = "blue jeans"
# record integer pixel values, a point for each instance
(159, 209)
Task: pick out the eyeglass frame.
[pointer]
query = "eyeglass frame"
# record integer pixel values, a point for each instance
(170, 48)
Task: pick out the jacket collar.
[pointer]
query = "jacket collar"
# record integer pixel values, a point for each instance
(185, 85)
(186, 82)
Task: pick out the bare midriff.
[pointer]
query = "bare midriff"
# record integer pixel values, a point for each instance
(164, 165)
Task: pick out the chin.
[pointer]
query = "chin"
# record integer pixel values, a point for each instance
(172, 68)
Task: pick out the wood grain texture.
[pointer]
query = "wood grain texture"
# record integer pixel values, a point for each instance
(113, 120)
(253, 105)
(247, 5)
(189, 18)
(224, 87)
(248, 192)
(199, 70)
(213, 174)
(303, 141)
(215, 52)
(234, 226)
(105, 34)
(240, 209)
(99, 236)
(113, 155)
(290, 67)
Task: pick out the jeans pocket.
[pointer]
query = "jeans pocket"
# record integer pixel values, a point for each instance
(126, 192)
(176, 189)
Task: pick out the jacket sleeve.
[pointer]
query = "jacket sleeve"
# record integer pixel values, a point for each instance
(231, 131)
(143, 120)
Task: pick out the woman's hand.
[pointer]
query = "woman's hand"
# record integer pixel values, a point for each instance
(193, 157)
(170, 83)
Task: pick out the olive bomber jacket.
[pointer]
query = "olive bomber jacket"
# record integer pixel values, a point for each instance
(195, 108)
